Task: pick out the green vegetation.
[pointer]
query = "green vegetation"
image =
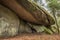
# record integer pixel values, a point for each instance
(54, 5)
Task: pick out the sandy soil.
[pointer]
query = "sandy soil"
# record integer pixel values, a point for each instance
(33, 37)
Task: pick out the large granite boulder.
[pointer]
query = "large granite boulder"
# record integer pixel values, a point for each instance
(29, 11)
(41, 15)
(11, 25)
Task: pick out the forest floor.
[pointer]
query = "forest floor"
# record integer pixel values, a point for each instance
(33, 37)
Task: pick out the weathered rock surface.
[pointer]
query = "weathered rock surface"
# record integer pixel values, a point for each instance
(42, 16)
(9, 22)
(24, 27)
(29, 11)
